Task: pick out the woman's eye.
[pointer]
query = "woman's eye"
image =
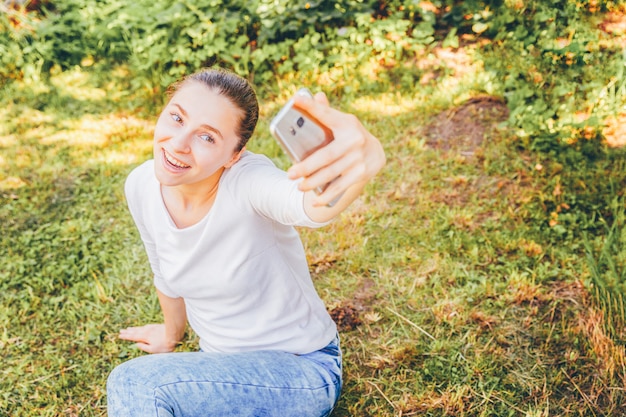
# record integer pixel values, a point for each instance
(207, 138)
(176, 118)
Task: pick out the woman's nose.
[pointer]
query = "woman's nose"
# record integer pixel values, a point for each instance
(181, 142)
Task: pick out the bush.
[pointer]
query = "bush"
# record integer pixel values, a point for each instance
(256, 38)
(550, 75)
(558, 100)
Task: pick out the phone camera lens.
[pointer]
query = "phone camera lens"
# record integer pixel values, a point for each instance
(300, 121)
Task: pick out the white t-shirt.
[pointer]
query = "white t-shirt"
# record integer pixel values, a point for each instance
(241, 270)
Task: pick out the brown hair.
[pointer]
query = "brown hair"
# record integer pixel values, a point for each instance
(236, 89)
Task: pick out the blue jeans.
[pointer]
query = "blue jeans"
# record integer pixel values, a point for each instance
(255, 384)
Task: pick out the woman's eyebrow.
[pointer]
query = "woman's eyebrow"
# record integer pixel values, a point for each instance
(204, 125)
(180, 109)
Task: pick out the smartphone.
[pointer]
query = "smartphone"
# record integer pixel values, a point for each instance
(298, 133)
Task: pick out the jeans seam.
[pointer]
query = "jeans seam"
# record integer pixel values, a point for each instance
(243, 385)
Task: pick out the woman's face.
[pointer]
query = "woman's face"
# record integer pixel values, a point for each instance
(195, 135)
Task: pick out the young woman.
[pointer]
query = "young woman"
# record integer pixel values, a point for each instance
(217, 222)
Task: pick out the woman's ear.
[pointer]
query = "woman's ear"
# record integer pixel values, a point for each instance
(235, 158)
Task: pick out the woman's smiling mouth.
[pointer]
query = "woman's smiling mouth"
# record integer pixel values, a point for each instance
(173, 162)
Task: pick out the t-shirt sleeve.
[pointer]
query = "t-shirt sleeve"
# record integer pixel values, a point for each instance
(269, 191)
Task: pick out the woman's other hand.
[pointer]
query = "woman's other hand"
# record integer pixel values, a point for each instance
(150, 338)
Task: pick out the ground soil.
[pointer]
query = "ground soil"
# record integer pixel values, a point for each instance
(464, 128)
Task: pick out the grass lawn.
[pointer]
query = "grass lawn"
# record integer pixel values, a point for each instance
(457, 292)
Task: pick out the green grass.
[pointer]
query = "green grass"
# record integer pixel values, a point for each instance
(468, 302)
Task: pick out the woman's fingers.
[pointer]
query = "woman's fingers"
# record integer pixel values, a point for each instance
(134, 334)
(320, 109)
(145, 347)
(342, 166)
(141, 334)
(150, 338)
(322, 99)
(348, 139)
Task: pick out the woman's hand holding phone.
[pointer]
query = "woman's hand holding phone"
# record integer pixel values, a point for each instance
(346, 164)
